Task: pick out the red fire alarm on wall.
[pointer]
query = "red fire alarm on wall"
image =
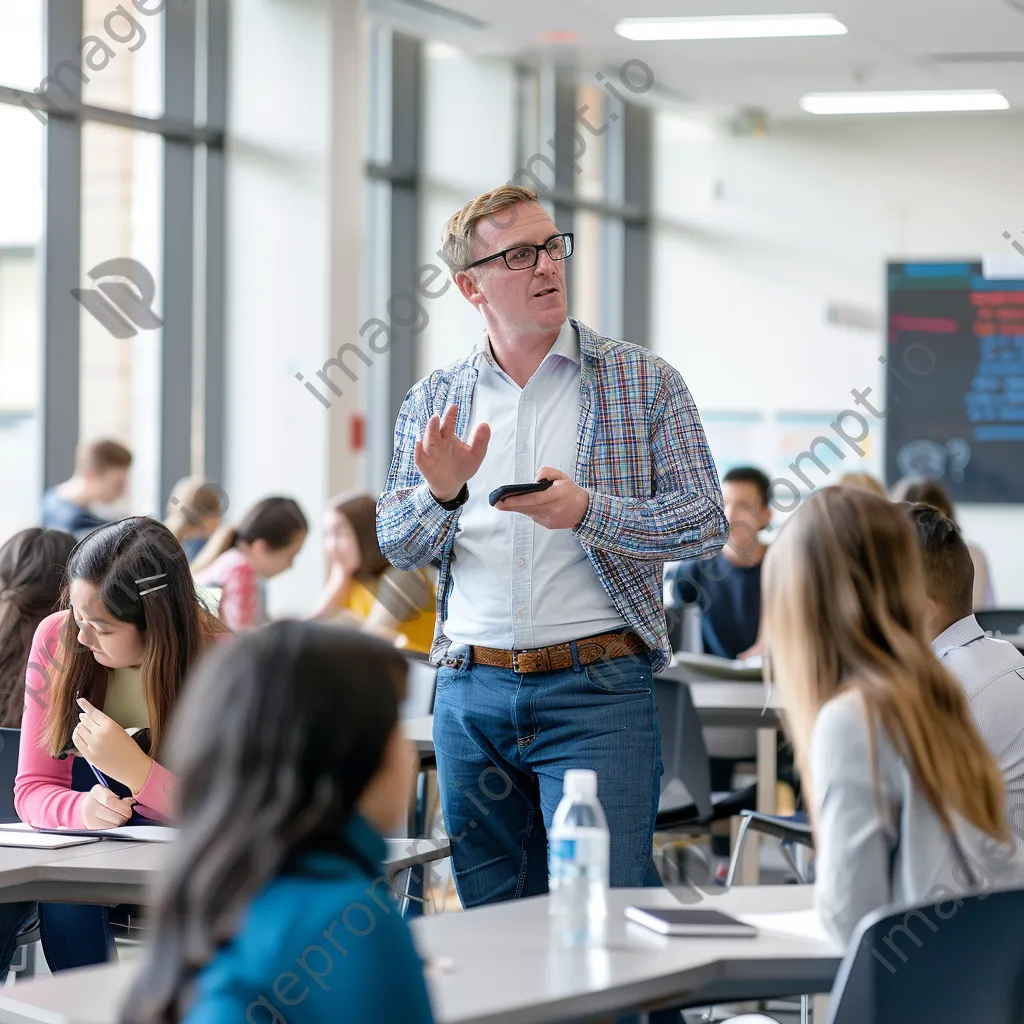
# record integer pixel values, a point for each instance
(357, 432)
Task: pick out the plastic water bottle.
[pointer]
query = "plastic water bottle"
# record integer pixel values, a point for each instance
(578, 863)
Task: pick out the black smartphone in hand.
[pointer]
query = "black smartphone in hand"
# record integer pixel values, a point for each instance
(512, 490)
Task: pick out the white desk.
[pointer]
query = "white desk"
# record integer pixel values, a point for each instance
(28, 874)
(119, 872)
(507, 971)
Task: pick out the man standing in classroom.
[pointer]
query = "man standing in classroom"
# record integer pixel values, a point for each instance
(550, 615)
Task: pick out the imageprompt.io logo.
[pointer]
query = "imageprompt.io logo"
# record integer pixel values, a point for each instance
(122, 300)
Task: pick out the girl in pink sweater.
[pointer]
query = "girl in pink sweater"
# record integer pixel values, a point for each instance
(236, 559)
(102, 681)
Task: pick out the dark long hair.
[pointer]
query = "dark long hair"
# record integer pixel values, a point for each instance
(276, 520)
(276, 738)
(32, 565)
(174, 625)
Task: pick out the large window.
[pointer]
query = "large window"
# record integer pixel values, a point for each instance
(449, 125)
(21, 235)
(111, 130)
(21, 44)
(19, 388)
(122, 218)
(468, 147)
(131, 60)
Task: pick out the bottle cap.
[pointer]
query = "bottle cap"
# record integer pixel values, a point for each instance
(580, 784)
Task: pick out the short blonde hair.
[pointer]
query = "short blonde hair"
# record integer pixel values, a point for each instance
(457, 237)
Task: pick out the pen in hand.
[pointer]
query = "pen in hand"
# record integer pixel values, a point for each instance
(99, 775)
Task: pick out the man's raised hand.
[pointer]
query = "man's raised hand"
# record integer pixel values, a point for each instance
(446, 461)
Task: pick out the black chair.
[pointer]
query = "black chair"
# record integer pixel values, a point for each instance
(940, 963)
(1001, 621)
(687, 803)
(421, 687)
(10, 743)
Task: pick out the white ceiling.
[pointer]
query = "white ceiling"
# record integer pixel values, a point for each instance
(891, 44)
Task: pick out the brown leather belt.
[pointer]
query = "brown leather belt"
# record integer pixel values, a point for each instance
(558, 657)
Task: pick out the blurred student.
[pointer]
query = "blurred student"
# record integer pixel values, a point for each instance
(194, 512)
(865, 481)
(291, 766)
(100, 477)
(32, 565)
(931, 492)
(727, 587)
(114, 660)
(991, 671)
(906, 801)
(237, 559)
(363, 589)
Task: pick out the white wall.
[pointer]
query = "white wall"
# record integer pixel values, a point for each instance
(758, 236)
(282, 296)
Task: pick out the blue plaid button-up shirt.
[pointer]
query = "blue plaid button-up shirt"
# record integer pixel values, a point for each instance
(640, 452)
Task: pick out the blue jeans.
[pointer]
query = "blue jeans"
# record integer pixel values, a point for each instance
(503, 742)
(72, 935)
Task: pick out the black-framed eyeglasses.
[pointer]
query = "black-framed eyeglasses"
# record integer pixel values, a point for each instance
(522, 257)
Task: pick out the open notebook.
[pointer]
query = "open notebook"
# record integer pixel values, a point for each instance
(130, 833)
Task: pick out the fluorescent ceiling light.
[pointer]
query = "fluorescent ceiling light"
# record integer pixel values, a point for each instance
(910, 102)
(731, 26)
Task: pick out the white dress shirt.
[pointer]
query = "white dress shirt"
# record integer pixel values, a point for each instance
(991, 671)
(515, 584)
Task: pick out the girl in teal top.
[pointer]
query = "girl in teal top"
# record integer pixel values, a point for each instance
(276, 908)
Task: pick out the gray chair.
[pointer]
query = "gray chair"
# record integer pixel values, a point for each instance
(402, 875)
(683, 753)
(791, 829)
(421, 687)
(421, 684)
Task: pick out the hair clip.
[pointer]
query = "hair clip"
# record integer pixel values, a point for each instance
(149, 579)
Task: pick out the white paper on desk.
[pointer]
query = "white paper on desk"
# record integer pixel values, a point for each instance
(27, 838)
(137, 833)
(142, 833)
(797, 924)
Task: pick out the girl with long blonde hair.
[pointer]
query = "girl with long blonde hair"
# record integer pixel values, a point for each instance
(906, 801)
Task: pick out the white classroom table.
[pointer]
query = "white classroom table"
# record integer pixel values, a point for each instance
(112, 871)
(501, 967)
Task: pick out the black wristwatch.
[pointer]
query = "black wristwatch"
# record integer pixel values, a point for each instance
(458, 501)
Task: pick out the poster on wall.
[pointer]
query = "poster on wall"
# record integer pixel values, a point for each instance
(810, 454)
(736, 439)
